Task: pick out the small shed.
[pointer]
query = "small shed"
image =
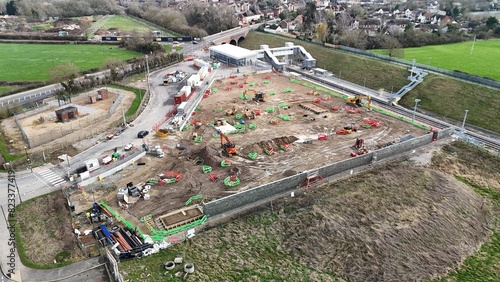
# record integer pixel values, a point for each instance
(65, 114)
(102, 94)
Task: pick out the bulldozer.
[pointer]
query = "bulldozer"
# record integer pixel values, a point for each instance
(357, 101)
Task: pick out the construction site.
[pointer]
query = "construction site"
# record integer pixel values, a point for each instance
(247, 130)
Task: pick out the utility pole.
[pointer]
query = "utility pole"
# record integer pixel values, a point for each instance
(28, 158)
(147, 73)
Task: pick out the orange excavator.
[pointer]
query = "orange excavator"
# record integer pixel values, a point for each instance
(229, 147)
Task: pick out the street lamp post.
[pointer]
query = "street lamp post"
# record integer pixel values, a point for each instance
(28, 158)
(463, 123)
(415, 109)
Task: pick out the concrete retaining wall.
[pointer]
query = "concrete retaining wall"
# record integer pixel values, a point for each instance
(268, 190)
(252, 195)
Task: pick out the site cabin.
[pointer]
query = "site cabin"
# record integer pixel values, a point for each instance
(92, 165)
(182, 108)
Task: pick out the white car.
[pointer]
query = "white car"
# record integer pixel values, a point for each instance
(128, 147)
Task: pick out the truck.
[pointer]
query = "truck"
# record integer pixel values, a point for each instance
(182, 108)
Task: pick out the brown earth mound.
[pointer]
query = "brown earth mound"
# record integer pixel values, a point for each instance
(398, 224)
(272, 143)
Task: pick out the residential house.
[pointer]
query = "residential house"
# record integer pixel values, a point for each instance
(274, 28)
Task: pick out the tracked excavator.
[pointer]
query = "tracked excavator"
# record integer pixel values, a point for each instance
(358, 101)
(228, 146)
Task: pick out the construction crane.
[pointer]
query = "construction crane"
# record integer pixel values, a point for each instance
(228, 146)
(357, 100)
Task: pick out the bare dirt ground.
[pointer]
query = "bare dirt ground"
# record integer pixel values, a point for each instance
(93, 120)
(265, 168)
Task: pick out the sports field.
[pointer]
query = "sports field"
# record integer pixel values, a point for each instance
(482, 60)
(31, 62)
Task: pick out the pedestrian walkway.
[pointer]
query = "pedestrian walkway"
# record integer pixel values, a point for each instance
(51, 177)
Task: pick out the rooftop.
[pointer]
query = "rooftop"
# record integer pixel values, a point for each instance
(233, 51)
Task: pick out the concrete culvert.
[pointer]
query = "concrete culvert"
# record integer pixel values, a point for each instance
(189, 267)
(169, 265)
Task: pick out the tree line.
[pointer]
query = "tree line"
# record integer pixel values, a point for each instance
(196, 19)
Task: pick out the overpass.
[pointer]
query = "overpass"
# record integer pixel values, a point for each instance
(232, 36)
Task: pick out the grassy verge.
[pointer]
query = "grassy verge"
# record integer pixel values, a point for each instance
(440, 95)
(482, 266)
(6, 88)
(139, 94)
(5, 152)
(44, 222)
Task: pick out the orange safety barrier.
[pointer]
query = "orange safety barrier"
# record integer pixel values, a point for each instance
(351, 110)
(234, 82)
(214, 176)
(268, 76)
(232, 76)
(372, 122)
(241, 85)
(317, 100)
(335, 108)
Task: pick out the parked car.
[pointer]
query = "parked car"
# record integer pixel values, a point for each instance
(128, 147)
(142, 134)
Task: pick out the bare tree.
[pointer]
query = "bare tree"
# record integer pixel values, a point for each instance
(321, 30)
(63, 71)
(392, 47)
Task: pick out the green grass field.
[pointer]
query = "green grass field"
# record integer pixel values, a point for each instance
(483, 61)
(31, 62)
(126, 24)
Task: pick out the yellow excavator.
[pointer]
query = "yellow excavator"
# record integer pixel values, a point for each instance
(358, 101)
(247, 92)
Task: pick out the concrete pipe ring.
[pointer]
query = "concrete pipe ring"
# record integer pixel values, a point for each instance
(189, 267)
(169, 265)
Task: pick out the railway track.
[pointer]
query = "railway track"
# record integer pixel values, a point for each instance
(348, 88)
